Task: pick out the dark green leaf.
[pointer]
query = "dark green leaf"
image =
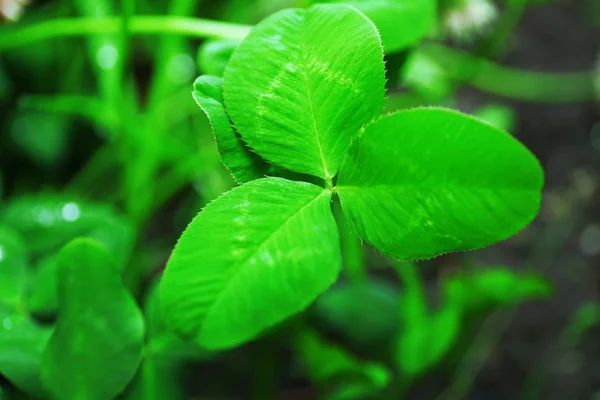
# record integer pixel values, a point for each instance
(496, 286)
(13, 269)
(214, 55)
(99, 337)
(428, 181)
(375, 304)
(21, 345)
(250, 259)
(303, 83)
(243, 164)
(330, 364)
(48, 221)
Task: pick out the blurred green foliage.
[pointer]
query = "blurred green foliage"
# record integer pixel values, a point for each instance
(102, 140)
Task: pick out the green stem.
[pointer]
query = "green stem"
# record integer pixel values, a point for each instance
(353, 254)
(138, 25)
(510, 82)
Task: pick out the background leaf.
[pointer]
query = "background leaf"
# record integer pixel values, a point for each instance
(425, 341)
(243, 164)
(213, 55)
(21, 345)
(13, 269)
(496, 286)
(99, 336)
(250, 259)
(430, 181)
(302, 85)
(401, 23)
(349, 377)
(374, 303)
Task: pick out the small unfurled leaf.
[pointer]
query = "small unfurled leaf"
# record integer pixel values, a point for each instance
(250, 259)
(303, 83)
(21, 345)
(13, 269)
(401, 23)
(243, 164)
(97, 344)
(425, 336)
(495, 286)
(429, 181)
(214, 55)
(348, 377)
(425, 341)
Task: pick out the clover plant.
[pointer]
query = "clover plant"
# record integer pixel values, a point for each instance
(303, 95)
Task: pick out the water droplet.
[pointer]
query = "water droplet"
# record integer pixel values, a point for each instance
(70, 212)
(107, 56)
(1, 253)
(7, 324)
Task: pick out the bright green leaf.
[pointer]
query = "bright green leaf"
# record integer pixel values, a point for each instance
(13, 268)
(243, 164)
(348, 377)
(430, 181)
(21, 345)
(303, 83)
(250, 259)
(99, 337)
(496, 286)
(401, 23)
(214, 55)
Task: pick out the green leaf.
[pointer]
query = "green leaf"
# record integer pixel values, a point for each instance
(243, 164)
(43, 137)
(499, 115)
(214, 55)
(349, 378)
(97, 344)
(401, 23)
(250, 259)
(13, 269)
(49, 221)
(495, 286)
(430, 181)
(303, 83)
(21, 345)
(43, 288)
(377, 310)
(425, 341)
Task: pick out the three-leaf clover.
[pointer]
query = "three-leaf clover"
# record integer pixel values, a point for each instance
(305, 92)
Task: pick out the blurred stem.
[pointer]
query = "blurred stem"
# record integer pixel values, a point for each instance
(353, 254)
(505, 28)
(21, 35)
(485, 75)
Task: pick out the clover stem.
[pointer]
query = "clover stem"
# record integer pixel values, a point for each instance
(21, 35)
